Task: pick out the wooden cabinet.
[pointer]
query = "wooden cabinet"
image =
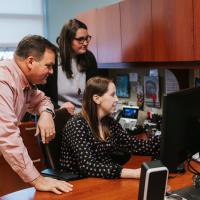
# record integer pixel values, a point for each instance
(10, 181)
(172, 24)
(157, 30)
(136, 30)
(109, 34)
(145, 31)
(196, 6)
(31, 142)
(89, 18)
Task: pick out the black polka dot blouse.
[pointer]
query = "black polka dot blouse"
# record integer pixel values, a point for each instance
(83, 154)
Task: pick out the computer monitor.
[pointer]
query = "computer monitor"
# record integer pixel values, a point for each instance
(180, 127)
(130, 112)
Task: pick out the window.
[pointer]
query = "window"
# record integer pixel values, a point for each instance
(18, 19)
(6, 53)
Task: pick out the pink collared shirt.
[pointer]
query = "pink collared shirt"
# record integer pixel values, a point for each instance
(16, 98)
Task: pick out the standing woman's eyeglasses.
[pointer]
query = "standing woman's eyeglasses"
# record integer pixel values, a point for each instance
(81, 40)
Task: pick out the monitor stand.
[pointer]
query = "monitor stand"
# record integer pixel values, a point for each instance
(181, 168)
(190, 193)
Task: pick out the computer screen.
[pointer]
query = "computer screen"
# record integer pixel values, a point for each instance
(130, 112)
(180, 127)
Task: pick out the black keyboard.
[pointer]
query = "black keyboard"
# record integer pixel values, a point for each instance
(66, 176)
(190, 193)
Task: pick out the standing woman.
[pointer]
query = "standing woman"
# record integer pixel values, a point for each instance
(76, 65)
(90, 137)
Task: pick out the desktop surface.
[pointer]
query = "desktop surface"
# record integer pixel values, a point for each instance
(106, 189)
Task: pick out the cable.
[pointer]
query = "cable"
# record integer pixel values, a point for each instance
(191, 168)
(196, 176)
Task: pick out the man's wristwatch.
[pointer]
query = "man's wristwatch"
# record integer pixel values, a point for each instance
(49, 111)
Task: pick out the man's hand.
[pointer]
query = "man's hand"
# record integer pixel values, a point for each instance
(45, 127)
(69, 106)
(49, 184)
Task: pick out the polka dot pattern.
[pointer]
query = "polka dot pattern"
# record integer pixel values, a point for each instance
(82, 153)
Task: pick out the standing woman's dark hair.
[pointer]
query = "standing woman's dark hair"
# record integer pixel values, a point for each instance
(95, 86)
(67, 34)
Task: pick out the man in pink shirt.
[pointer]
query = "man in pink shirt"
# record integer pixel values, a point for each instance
(33, 62)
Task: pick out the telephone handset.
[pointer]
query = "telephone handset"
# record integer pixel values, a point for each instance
(118, 115)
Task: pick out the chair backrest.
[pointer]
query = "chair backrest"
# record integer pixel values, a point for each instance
(51, 151)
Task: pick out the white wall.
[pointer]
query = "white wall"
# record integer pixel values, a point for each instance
(58, 11)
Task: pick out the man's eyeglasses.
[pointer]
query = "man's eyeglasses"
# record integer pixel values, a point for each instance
(81, 40)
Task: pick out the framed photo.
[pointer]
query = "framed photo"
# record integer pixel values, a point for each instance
(122, 85)
(151, 91)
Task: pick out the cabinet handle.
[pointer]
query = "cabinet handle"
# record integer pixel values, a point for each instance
(36, 160)
(30, 128)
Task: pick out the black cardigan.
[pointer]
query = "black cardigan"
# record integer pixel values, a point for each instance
(51, 87)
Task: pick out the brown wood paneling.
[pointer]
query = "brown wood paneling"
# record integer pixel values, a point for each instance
(9, 180)
(31, 142)
(196, 6)
(136, 30)
(89, 18)
(109, 34)
(172, 30)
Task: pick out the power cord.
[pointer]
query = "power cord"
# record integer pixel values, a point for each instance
(196, 174)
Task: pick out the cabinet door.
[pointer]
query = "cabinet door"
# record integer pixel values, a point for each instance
(27, 130)
(136, 30)
(196, 7)
(108, 34)
(89, 18)
(172, 22)
(10, 181)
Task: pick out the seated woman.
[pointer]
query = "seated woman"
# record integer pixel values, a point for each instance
(90, 137)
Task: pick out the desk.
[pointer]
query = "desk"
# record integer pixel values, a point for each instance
(101, 189)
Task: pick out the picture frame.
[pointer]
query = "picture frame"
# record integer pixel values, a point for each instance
(122, 85)
(151, 91)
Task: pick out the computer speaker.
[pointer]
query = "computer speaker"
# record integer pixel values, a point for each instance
(153, 181)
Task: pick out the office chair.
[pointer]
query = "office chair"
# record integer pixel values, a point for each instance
(51, 151)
